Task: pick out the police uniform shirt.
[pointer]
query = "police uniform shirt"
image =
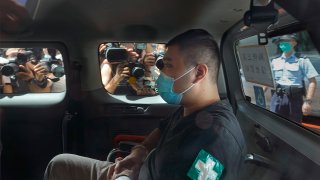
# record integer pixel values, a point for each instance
(292, 70)
(214, 129)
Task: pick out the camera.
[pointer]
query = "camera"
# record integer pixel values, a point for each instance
(159, 59)
(136, 69)
(117, 55)
(12, 67)
(54, 66)
(121, 55)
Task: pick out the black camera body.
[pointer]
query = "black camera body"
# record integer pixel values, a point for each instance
(117, 55)
(54, 66)
(121, 55)
(12, 67)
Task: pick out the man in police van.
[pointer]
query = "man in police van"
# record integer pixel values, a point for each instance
(202, 140)
(291, 98)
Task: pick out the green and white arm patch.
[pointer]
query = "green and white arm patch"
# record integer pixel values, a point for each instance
(205, 167)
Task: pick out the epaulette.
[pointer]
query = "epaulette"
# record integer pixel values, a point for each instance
(300, 55)
(277, 57)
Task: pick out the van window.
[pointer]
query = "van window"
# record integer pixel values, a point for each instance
(31, 70)
(130, 68)
(282, 76)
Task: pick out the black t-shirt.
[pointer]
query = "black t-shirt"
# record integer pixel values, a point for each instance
(214, 129)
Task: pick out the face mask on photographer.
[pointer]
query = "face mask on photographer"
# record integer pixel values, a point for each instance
(165, 88)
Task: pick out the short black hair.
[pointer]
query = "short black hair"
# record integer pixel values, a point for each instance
(199, 47)
(52, 52)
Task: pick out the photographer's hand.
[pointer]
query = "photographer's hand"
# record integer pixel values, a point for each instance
(149, 60)
(132, 54)
(40, 72)
(40, 82)
(121, 72)
(102, 48)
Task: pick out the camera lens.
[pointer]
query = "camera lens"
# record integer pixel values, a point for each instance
(137, 72)
(9, 69)
(159, 63)
(57, 70)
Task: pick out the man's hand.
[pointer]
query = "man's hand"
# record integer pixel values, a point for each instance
(40, 72)
(132, 54)
(130, 165)
(25, 74)
(102, 48)
(265, 88)
(129, 173)
(122, 72)
(110, 173)
(149, 60)
(306, 108)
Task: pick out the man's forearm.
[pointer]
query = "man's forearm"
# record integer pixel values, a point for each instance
(152, 139)
(311, 88)
(112, 85)
(147, 145)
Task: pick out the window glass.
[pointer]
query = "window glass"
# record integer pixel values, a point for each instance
(31, 70)
(282, 76)
(130, 68)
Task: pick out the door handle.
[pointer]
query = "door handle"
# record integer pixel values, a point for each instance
(259, 160)
(128, 109)
(263, 141)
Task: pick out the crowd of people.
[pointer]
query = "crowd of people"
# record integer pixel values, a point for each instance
(31, 70)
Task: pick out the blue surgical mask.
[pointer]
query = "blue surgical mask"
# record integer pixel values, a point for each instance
(285, 47)
(165, 88)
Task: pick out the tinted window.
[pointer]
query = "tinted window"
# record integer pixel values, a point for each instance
(130, 68)
(282, 76)
(31, 70)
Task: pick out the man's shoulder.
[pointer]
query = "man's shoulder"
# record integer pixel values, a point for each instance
(216, 113)
(221, 121)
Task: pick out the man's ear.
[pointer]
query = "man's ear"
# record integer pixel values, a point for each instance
(201, 72)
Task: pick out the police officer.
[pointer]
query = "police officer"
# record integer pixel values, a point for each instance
(290, 70)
